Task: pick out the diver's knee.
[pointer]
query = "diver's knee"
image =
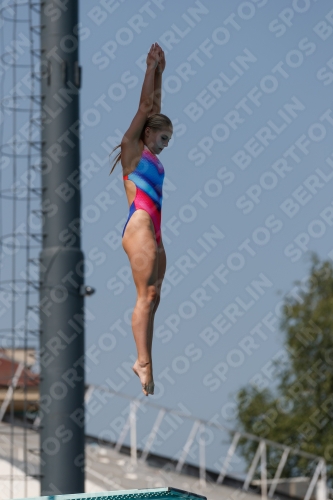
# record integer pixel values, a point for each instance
(152, 294)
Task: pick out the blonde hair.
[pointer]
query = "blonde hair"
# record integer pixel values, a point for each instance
(155, 122)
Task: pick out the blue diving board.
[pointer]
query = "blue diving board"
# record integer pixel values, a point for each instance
(167, 493)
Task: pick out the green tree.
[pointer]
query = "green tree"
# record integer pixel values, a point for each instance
(298, 410)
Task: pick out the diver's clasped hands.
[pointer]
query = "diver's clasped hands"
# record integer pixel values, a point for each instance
(156, 58)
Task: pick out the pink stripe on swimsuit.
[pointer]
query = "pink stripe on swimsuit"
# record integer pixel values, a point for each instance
(148, 178)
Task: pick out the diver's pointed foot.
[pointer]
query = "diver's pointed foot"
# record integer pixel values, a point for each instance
(145, 373)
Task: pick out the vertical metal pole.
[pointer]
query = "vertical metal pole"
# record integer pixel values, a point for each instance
(61, 258)
(123, 433)
(202, 457)
(263, 471)
(134, 452)
(321, 490)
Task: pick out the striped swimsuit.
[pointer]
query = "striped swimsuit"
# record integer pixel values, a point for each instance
(148, 178)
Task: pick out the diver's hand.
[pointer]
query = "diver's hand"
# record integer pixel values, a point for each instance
(153, 57)
(161, 64)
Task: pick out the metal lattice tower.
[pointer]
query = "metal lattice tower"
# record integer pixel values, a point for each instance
(20, 230)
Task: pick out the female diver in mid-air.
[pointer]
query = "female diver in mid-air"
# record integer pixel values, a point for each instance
(143, 173)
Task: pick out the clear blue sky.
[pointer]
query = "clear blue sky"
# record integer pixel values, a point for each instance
(248, 193)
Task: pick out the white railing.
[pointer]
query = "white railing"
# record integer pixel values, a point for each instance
(317, 483)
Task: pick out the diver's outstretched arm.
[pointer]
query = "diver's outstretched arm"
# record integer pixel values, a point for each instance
(158, 82)
(147, 92)
(131, 139)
